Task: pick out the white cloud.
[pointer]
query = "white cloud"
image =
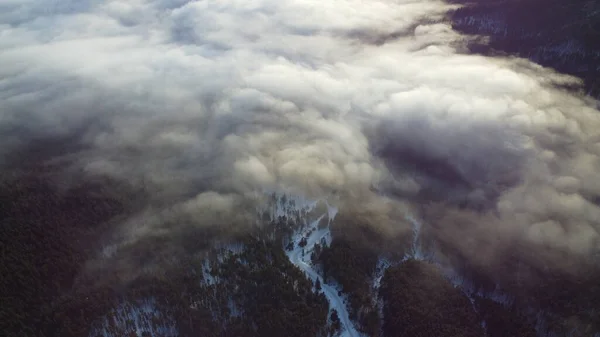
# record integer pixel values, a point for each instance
(230, 95)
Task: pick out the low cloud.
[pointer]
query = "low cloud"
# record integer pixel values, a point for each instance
(205, 103)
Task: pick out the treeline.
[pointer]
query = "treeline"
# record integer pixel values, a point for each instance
(567, 302)
(503, 321)
(48, 233)
(256, 292)
(351, 264)
(571, 300)
(419, 302)
(43, 234)
(248, 288)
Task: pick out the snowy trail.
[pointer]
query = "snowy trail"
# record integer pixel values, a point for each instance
(335, 301)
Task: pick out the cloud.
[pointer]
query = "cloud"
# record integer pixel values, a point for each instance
(203, 103)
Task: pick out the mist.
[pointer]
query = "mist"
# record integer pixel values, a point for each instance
(205, 104)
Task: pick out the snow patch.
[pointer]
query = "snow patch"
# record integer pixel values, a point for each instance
(135, 317)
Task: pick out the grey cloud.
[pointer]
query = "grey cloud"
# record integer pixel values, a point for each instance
(204, 102)
(457, 161)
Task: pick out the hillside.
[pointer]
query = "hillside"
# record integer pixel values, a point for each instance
(561, 34)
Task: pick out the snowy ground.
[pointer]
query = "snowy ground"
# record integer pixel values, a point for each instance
(137, 318)
(300, 256)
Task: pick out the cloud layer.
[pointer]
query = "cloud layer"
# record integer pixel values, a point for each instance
(204, 103)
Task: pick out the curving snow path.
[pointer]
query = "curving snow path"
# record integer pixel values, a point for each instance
(303, 262)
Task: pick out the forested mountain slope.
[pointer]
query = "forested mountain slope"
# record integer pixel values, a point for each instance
(561, 34)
